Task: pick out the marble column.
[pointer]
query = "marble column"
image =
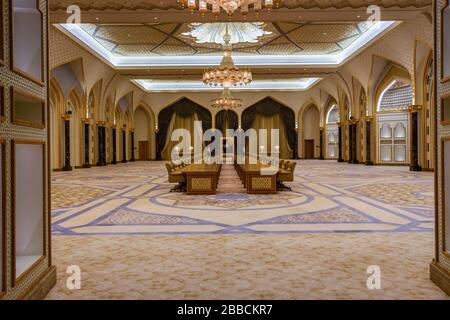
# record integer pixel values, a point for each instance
(414, 141)
(67, 165)
(87, 161)
(354, 142)
(132, 147)
(340, 145)
(104, 146)
(124, 146)
(369, 161)
(158, 152)
(114, 146)
(101, 145)
(350, 143)
(321, 144)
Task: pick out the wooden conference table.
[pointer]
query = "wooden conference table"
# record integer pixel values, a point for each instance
(256, 180)
(202, 178)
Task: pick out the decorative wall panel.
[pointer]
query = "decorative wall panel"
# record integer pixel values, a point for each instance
(2, 218)
(393, 138)
(446, 188)
(27, 268)
(446, 42)
(27, 38)
(440, 267)
(28, 205)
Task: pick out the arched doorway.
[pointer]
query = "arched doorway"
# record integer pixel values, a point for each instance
(142, 134)
(311, 132)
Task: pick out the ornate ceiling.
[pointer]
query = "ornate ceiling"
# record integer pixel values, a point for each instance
(276, 38)
(289, 4)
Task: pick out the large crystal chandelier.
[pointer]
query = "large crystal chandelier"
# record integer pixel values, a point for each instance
(229, 6)
(226, 101)
(227, 75)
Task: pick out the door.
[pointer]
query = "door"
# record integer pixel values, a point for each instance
(309, 149)
(144, 150)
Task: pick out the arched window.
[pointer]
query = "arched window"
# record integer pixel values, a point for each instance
(333, 116)
(393, 121)
(396, 96)
(332, 120)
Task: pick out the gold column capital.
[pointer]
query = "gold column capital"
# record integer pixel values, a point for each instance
(414, 108)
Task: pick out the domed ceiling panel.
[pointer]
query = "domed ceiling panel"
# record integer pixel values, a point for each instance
(281, 38)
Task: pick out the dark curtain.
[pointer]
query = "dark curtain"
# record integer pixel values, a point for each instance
(268, 107)
(183, 108)
(225, 117)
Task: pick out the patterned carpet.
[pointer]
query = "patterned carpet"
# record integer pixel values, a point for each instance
(327, 197)
(135, 240)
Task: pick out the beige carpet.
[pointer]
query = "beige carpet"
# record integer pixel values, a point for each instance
(321, 266)
(133, 239)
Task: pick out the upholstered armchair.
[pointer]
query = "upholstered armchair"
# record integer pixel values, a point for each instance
(176, 176)
(286, 174)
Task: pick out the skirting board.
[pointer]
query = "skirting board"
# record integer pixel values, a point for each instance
(440, 276)
(41, 287)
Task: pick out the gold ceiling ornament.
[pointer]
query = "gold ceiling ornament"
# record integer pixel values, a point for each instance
(227, 75)
(226, 101)
(229, 6)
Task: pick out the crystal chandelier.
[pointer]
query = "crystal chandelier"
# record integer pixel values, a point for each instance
(229, 6)
(226, 101)
(227, 75)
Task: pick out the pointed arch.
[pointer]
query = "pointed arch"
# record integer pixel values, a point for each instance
(143, 133)
(56, 110)
(75, 109)
(310, 131)
(392, 73)
(273, 113)
(183, 108)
